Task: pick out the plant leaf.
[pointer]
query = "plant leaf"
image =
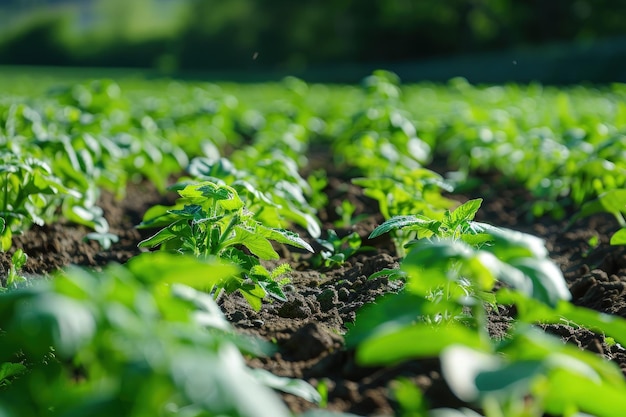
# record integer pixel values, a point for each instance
(619, 238)
(399, 222)
(417, 341)
(255, 242)
(169, 268)
(285, 236)
(464, 212)
(9, 369)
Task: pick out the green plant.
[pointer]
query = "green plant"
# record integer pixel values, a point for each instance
(525, 375)
(457, 224)
(380, 138)
(336, 250)
(135, 340)
(448, 282)
(417, 191)
(270, 185)
(346, 212)
(18, 260)
(444, 305)
(211, 220)
(30, 193)
(613, 202)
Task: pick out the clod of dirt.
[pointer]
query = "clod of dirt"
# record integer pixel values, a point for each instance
(311, 340)
(298, 307)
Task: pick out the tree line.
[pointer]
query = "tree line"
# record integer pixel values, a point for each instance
(286, 34)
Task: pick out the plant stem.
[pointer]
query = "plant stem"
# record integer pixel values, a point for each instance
(233, 221)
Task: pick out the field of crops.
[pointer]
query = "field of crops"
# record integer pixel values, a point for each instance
(176, 248)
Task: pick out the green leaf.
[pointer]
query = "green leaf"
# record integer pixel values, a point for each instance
(274, 289)
(426, 254)
(606, 400)
(254, 294)
(602, 323)
(399, 222)
(464, 213)
(509, 244)
(612, 201)
(218, 383)
(192, 211)
(208, 313)
(159, 216)
(169, 268)
(6, 236)
(461, 365)
(619, 238)
(285, 236)
(6, 240)
(19, 259)
(255, 242)
(548, 284)
(178, 229)
(10, 369)
(476, 240)
(418, 341)
(226, 196)
(389, 313)
(53, 320)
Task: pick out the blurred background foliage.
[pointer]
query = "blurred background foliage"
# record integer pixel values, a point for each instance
(294, 36)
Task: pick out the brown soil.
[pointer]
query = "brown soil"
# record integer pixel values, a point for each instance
(308, 327)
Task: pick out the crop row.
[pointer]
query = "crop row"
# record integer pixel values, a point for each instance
(148, 338)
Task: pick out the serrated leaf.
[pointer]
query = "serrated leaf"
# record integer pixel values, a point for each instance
(465, 212)
(273, 289)
(255, 242)
(226, 196)
(192, 211)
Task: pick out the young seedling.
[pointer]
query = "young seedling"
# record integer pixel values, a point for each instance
(346, 211)
(18, 260)
(613, 202)
(337, 250)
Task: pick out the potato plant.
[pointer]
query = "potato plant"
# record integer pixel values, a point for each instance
(444, 305)
(211, 220)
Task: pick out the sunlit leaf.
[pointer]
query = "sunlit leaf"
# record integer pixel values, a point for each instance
(418, 341)
(163, 267)
(400, 222)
